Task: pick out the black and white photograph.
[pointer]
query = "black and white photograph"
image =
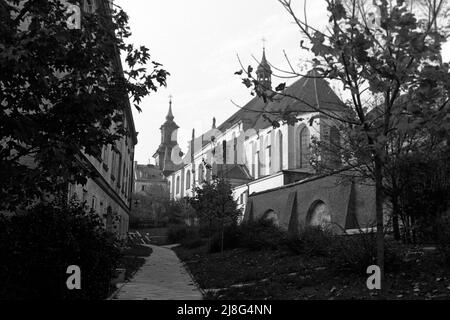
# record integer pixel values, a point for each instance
(247, 151)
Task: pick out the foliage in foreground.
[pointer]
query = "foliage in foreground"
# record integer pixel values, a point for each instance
(215, 207)
(63, 90)
(38, 246)
(351, 254)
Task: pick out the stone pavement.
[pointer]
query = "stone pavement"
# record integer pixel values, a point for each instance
(162, 277)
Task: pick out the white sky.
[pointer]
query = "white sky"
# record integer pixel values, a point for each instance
(197, 41)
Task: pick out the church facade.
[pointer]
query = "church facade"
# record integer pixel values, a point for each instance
(268, 164)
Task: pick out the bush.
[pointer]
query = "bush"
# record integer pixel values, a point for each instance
(137, 250)
(37, 247)
(443, 238)
(177, 233)
(311, 241)
(192, 241)
(205, 230)
(260, 234)
(342, 253)
(354, 253)
(187, 236)
(231, 236)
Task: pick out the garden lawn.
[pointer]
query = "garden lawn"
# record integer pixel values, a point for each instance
(280, 274)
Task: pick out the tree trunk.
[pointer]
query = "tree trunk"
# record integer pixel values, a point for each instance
(209, 235)
(395, 214)
(379, 219)
(222, 231)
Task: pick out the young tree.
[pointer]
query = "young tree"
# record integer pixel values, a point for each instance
(214, 204)
(63, 91)
(387, 58)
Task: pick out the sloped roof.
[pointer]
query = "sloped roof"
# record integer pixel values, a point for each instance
(232, 171)
(309, 92)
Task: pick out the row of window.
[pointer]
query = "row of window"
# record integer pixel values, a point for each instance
(302, 157)
(302, 150)
(120, 174)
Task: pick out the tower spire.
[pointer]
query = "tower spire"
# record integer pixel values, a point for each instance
(169, 114)
(264, 72)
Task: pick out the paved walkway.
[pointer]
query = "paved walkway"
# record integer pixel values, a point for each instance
(162, 277)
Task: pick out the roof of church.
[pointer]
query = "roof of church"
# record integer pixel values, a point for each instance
(309, 93)
(232, 171)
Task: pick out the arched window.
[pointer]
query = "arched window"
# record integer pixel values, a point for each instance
(303, 139)
(280, 151)
(268, 155)
(319, 215)
(201, 176)
(335, 145)
(178, 185)
(188, 179)
(170, 190)
(254, 159)
(208, 174)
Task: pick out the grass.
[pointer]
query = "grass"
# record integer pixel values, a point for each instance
(133, 258)
(280, 274)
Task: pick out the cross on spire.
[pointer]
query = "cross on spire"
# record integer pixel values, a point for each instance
(264, 40)
(169, 114)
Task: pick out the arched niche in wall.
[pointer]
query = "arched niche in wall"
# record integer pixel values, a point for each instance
(270, 214)
(319, 215)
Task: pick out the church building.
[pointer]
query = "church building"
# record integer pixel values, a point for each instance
(268, 164)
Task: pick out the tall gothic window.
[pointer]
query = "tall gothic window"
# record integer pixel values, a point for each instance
(258, 164)
(178, 185)
(201, 176)
(188, 179)
(303, 148)
(335, 145)
(267, 155)
(254, 160)
(280, 151)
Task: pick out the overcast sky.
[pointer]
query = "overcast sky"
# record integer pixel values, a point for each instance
(198, 41)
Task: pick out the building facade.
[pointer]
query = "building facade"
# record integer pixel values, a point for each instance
(269, 162)
(109, 193)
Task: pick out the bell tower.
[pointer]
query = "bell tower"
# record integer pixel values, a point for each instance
(264, 72)
(168, 141)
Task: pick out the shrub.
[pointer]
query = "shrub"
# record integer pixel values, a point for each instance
(137, 250)
(38, 246)
(443, 238)
(231, 237)
(354, 253)
(207, 230)
(177, 233)
(192, 241)
(260, 234)
(311, 241)
(187, 236)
